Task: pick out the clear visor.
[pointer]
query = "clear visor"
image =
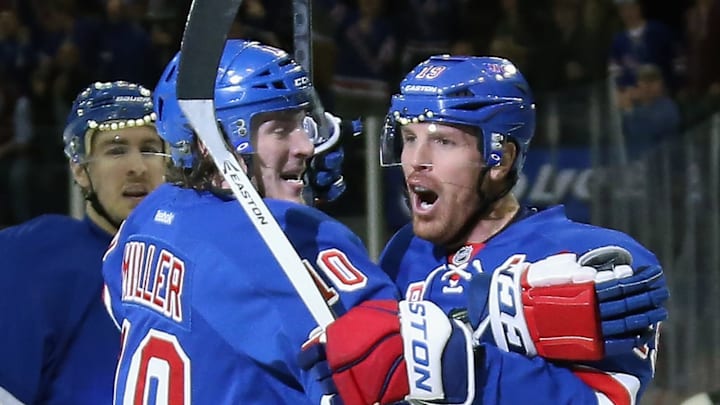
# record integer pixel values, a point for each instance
(391, 143)
(125, 154)
(117, 146)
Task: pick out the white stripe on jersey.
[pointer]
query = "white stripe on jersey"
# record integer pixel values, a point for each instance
(107, 300)
(629, 382)
(7, 398)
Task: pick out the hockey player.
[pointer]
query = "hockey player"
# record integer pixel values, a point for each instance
(57, 344)
(207, 316)
(546, 310)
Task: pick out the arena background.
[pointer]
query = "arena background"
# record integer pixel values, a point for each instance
(627, 94)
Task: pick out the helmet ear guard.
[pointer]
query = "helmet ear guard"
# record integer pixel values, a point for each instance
(495, 156)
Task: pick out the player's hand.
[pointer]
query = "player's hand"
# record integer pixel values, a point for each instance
(631, 307)
(323, 177)
(360, 356)
(360, 359)
(565, 308)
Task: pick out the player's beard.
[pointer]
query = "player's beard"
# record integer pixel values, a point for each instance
(455, 206)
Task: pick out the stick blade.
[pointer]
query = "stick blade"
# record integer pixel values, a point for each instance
(204, 38)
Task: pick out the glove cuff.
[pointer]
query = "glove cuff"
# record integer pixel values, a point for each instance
(439, 355)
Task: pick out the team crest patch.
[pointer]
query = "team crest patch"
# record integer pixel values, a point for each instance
(462, 255)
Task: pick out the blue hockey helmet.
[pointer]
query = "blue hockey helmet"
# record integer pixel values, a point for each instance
(252, 78)
(487, 93)
(105, 106)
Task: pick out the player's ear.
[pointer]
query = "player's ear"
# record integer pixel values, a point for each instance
(80, 175)
(501, 171)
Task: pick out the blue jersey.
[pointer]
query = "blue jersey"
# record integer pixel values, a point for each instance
(207, 314)
(57, 344)
(425, 271)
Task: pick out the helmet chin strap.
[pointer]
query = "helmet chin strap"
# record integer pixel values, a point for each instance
(486, 202)
(91, 196)
(98, 207)
(485, 206)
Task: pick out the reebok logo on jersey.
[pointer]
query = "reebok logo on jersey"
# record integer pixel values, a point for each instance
(164, 217)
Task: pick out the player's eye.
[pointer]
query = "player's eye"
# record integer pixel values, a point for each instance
(408, 138)
(151, 150)
(117, 151)
(282, 130)
(291, 127)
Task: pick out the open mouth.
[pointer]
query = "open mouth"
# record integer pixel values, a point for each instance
(292, 177)
(424, 198)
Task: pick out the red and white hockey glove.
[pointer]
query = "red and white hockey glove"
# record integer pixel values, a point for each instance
(565, 308)
(558, 308)
(381, 353)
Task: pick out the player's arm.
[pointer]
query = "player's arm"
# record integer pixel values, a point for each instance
(444, 364)
(567, 308)
(112, 275)
(27, 324)
(338, 260)
(22, 341)
(342, 269)
(368, 357)
(611, 366)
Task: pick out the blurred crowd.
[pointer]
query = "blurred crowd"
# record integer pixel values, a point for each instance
(660, 61)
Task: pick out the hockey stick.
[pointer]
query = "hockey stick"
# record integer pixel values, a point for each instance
(204, 39)
(303, 54)
(302, 34)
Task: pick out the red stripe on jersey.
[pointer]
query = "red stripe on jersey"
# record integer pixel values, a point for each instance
(606, 384)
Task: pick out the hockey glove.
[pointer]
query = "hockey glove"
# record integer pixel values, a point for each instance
(360, 360)
(323, 177)
(565, 308)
